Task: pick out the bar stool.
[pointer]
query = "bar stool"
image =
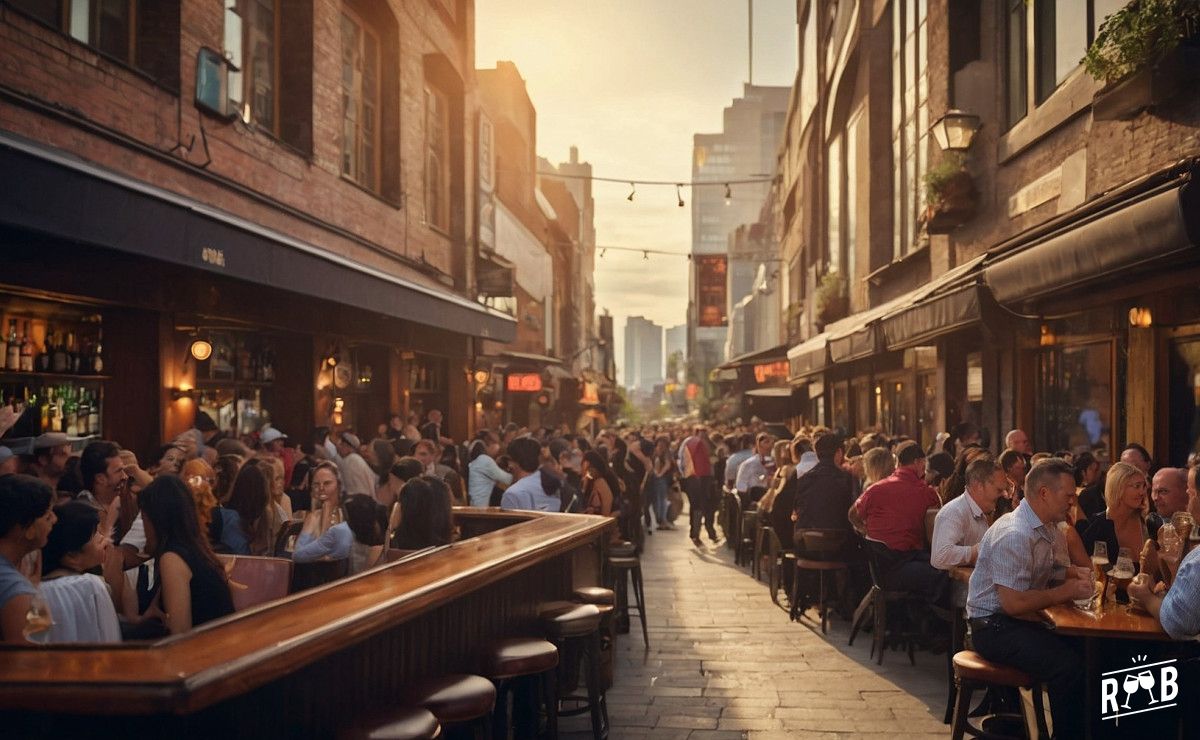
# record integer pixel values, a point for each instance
(973, 672)
(507, 663)
(618, 567)
(458, 700)
(605, 600)
(819, 543)
(575, 629)
(403, 723)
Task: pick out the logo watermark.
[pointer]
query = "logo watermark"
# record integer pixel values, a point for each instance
(1148, 687)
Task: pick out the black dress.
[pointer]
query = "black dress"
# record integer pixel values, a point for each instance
(210, 591)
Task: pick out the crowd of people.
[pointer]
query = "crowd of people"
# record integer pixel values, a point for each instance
(98, 546)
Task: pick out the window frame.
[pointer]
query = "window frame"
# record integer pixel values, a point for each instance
(909, 134)
(376, 182)
(433, 92)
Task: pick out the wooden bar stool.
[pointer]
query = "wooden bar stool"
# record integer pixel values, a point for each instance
(404, 723)
(458, 700)
(575, 629)
(523, 667)
(618, 567)
(819, 546)
(973, 672)
(605, 600)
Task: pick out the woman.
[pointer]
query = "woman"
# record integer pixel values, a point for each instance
(281, 504)
(662, 464)
(191, 586)
(600, 485)
(82, 604)
(1089, 486)
(167, 460)
(483, 474)
(381, 457)
(1123, 521)
(227, 468)
(878, 463)
(367, 520)
(250, 501)
(954, 486)
(26, 519)
(425, 518)
(325, 533)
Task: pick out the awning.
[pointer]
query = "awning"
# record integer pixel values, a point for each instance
(809, 357)
(946, 304)
(1115, 241)
(770, 392)
(531, 357)
(756, 357)
(55, 193)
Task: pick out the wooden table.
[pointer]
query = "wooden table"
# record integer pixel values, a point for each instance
(303, 665)
(1117, 633)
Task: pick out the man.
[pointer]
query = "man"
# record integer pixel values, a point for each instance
(426, 450)
(822, 494)
(742, 451)
(432, 428)
(1012, 580)
(696, 467)
(1013, 465)
(103, 473)
(50, 454)
(892, 511)
(961, 524)
(357, 476)
(755, 472)
(526, 492)
(1178, 610)
(1019, 441)
(783, 504)
(1168, 490)
(273, 444)
(209, 434)
(1137, 456)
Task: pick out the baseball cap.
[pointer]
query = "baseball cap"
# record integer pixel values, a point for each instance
(270, 434)
(351, 440)
(52, 439)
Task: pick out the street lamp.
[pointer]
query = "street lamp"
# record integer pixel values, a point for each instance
(955, 130)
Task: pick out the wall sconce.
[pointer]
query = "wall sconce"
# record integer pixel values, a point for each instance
(339, 405)
(1047, 339)
(1140, 317)
(365, 375)
(182, 392)
(482, 376)
(955, 130)
(200, 350)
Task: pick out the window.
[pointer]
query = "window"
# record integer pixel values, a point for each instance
(808, 72)
(1062, 40)
(834, 189)
(910, 119)
(437, 159)
(252, 30)
(143, 34)
(1015, 86)
(1074, 409)
(360, 102)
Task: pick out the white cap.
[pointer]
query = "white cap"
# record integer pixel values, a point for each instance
(270, 434)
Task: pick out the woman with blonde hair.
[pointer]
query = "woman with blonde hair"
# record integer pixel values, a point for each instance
(878, 463)
(1123, 521)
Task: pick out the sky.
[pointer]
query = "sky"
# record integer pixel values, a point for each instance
(629, 82)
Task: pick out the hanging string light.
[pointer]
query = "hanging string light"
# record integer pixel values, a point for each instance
(728, 194)
(632, 191)
(679, 193)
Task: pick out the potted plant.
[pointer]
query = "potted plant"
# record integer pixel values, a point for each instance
(1145, 53)
(949, 195)
(833, 301)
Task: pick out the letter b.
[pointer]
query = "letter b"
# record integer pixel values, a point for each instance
(1169, 684)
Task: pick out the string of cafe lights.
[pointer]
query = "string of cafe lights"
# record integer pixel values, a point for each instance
(679, 185)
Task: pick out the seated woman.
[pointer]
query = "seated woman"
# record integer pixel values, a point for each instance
(199, 478)
(425, 517)
(191, 586)
(83, 607)
(325, 533)
(249, 514)
(1123, 521)
(281, 503)
(26, 519)
(368, 521)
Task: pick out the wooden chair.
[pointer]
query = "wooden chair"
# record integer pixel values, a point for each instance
(318, 573)
(289, 530)
(778, 559)
(820, 546)
(973, 672)
(744, 555)
(877, 601)
(930, 516)
(256, 580)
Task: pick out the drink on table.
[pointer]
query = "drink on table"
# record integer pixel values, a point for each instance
(1184, 524)
(1122, 574)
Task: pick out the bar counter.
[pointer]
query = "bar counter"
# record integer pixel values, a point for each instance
(304, 665)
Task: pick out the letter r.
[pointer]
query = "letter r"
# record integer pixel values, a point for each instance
(1108, 695)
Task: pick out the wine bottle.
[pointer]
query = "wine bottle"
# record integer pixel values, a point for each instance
(27, 351)
(97, 356)
(94, 414)
(12, 357)
(41, 363)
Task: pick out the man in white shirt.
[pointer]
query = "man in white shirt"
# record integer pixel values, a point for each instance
(743, 444)
(757, 469)
(961, 524)
(357, 476)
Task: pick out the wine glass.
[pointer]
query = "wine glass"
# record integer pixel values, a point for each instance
(1184, 524)
(38, 620)
(1146, 679)
(1131, 685)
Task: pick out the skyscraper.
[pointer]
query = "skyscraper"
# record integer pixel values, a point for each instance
(643, 354)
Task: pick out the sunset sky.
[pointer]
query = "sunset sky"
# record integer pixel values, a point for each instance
(629, 82)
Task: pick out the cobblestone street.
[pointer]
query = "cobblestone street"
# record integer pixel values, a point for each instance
(724, 662)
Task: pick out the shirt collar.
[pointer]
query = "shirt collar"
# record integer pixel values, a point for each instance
(976, 511)
(1028, 517)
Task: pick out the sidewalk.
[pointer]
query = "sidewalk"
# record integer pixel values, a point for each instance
(725, 663)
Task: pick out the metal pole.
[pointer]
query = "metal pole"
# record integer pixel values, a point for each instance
(750, 33)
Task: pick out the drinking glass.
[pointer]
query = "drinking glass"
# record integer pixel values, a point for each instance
(1131, 686)
(1184, 525)
(37, 619)
(1146, 679)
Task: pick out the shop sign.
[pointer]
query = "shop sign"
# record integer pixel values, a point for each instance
(524, 382)
(693, 390)
(591, 394)
(771, 371)
(710, 289)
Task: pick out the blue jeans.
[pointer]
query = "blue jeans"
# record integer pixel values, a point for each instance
(658, 498)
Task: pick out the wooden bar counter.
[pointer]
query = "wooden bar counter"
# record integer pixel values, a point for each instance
(307, 664)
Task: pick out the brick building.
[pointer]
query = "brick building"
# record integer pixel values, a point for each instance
(1045, 288)
(287, 183)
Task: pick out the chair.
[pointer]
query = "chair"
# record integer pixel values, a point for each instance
(819, 546)
(256, 580)
(285, 537)
(930, 516)
(973, 672)
(731, 517)
(778, 558)
(523, 667)
(877, 601)
(605, 600)
(617, 568)
(761, 546)
(318, 573)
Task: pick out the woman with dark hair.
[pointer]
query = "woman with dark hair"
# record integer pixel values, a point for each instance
(601, 487)
(26, 518)
(425, 516)
(632, 473)
(325, 533)
(367, 520)
(953, 486)
(1089, 484)
(227, 468)
(533, 489)
(450, 459)
(483, 474)
(381, 457)
(83, 606)
(192, 587)
(250, 500)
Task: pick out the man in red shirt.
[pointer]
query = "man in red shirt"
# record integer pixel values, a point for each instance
(695, 465)
(892, 512)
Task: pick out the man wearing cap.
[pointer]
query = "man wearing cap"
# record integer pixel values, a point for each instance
(357, 476)
(8, 461)
(49, 460)
(273, 444)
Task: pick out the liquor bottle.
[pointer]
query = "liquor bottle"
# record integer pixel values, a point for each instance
(269, 366)
(69, 411)
(58, 357)
(97, 353)
(44, 409)
(3, 349)
(27, 351)
(81, 418)
(54, 413)
(94, 414)
(72, 354)
(12, 357)
(41, 361)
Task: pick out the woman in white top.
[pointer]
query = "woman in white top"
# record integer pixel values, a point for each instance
(483, 474)
(82, 605)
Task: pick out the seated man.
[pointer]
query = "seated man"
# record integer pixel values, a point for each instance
(892, 511)
(1178, 610)
(961, 524)
(1168, 491)
(823, 493)
(755, 472)
(1011, 582)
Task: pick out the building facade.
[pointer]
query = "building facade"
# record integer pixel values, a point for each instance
(1035, 279)
(643, 355)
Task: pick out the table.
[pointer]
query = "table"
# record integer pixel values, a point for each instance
(1109, 622)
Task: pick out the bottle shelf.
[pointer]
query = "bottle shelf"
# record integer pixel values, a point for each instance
(20, 375)
(218, 383)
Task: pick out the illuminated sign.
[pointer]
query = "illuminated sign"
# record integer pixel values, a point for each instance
(710, 289)
(524, 382)
(591, 394)
(771, 371)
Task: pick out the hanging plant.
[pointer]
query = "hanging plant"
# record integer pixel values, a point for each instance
(832, 298)
(941, 177)
(1139, 35)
